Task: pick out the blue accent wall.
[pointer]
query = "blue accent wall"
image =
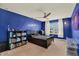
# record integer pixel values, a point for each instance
(67, 28)
(16, 21)
(43, 26)
(75, 32)
(75, 26)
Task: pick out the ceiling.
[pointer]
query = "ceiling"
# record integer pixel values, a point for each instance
(58, 10)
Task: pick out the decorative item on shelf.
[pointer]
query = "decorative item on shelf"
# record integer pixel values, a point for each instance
(10, 34)
(23, 33)
(12, 46)
(13, 40)
(18, 39)
(10, 41)
(18, 34)
(14, 35)
(23, 38)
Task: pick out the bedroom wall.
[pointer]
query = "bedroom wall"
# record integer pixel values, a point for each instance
(60, 28)
(47, 27)
(16, 21)
(64, 30)
(67, 28)
(75, 31)
(75, 26)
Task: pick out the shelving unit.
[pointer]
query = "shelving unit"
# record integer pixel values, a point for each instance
(16, 39)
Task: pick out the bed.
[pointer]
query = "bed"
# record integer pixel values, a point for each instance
(41, 40)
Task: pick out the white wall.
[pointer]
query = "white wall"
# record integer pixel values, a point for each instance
(47, 27)
(60, 28)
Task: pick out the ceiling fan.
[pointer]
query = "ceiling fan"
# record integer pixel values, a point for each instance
(45, 15)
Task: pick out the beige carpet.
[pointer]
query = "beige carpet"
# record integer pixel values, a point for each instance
(58, 48)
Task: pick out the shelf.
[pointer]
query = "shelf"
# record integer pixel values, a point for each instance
(15, 42)
(18, 40)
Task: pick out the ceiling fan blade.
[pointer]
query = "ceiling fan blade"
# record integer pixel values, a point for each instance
(47, 15)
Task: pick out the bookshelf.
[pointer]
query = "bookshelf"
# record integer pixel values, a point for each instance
(16, 39)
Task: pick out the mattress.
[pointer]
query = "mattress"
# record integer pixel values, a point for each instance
(43, 37)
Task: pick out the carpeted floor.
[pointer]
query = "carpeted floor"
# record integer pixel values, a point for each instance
(58, 48)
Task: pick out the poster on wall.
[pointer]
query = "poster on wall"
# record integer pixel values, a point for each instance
(75, 21)
(54, 28)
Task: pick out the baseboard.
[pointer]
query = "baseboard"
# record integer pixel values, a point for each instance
(56, 36)
(61, 38)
